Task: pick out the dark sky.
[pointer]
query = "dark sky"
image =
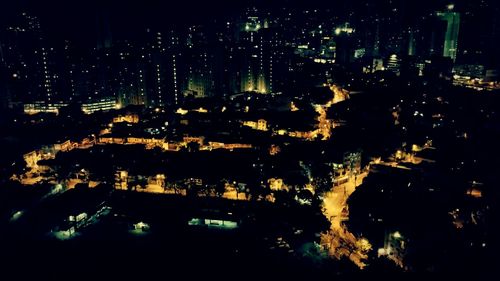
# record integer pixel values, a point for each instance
(127, 11)
(77, 18)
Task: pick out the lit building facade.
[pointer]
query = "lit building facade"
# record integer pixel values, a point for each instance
(103, 104)
(452, 20)
(259, 55)
(43, 107)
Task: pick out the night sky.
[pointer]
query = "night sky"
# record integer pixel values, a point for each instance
(76, 19)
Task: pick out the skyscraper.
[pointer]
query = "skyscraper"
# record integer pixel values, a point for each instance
(258, 54)
(253, 77)
(29, 61)
(175, 80)
(344, 50)
(152, 68)
(452, 20)
(201, 64)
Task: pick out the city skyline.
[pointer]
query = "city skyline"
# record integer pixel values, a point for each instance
(377, 36)
(287, 139)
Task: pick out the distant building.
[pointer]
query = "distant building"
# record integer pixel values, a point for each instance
(129, 118)
(394, 64)
(345, 47)
(29, 60)
(253, 77)
(452, 20)
(201, 63)
(258, 55)
(470, 70)
(43, 107)
(103, 104)
(260, 124)
(155, 69)
(174, 71)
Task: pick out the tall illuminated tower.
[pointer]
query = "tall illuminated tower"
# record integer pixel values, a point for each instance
(258, 43)
(452, 20)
